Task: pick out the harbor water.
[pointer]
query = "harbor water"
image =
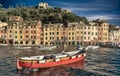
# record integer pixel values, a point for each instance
(99, 62)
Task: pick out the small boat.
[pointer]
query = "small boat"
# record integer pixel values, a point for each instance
(23, 47)
(119, 46)
(80, 47)
(92, 47)
(50, 60)
(3, 44)
(46, 47)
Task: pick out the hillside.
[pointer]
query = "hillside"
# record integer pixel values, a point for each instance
(49, 15)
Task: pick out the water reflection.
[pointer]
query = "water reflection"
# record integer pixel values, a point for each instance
(64, 70)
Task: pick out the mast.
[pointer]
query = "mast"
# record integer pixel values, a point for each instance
(64, 45)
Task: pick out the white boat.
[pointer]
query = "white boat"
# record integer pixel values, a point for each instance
(80, 47)
(119, 46)
(23, 47)
(46, 47)
(92, 47)
(3, 44)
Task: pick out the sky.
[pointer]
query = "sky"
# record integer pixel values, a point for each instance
(92, 9)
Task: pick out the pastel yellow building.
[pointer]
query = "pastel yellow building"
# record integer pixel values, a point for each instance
(53, 34)
(3, 32)
(24, 33)
(103, 30)
(90, 34)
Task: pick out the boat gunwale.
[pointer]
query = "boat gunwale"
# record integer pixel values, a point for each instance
(47, 60)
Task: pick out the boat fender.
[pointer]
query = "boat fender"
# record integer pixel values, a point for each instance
(57, 59)
(73, 57)
(42, 61)
(79, 55)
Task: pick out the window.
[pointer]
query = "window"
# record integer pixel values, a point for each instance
(69, 38)
(15, 26)
(57, 38)
(26, 42)
(15, 37)
(52, 33)
(46, 43)
(20, 31)
(10, 31)
(92, 33)
(84, 37)
(16, 42)
(15, 32)
(57, 33)
(21, 42)
(69, 33)
(26, 36)
(34, 31)
(10, 36)
(26, 31)
(96, 33)
(84, 27)
(33, 42)
(46, 38)
(85, 33)
(21, 37)
(72, 33)
(46, 29)
(31, 32)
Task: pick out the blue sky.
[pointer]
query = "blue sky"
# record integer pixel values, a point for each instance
(92, 9)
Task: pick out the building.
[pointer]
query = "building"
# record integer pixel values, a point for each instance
(19, 32)
(43, 5)
(67, 11)
(53, 34)
(114, 36)
(89, 34)
(73, 34)
(24, 33)
(3, 34)
(103, 30)
(15, 18)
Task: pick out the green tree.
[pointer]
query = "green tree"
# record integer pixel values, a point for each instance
(3, 16)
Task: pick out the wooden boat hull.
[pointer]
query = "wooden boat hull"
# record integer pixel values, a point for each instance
(48, 63)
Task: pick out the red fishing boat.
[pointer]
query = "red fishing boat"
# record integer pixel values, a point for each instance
(50, 60)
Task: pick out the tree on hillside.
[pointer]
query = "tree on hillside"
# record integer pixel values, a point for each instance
(57, 10)
(3, 16)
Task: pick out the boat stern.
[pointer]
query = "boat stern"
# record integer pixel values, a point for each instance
(18, 65)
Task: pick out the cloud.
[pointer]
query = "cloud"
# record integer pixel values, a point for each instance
(104, 17)
(78, 9)
(84, 5)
